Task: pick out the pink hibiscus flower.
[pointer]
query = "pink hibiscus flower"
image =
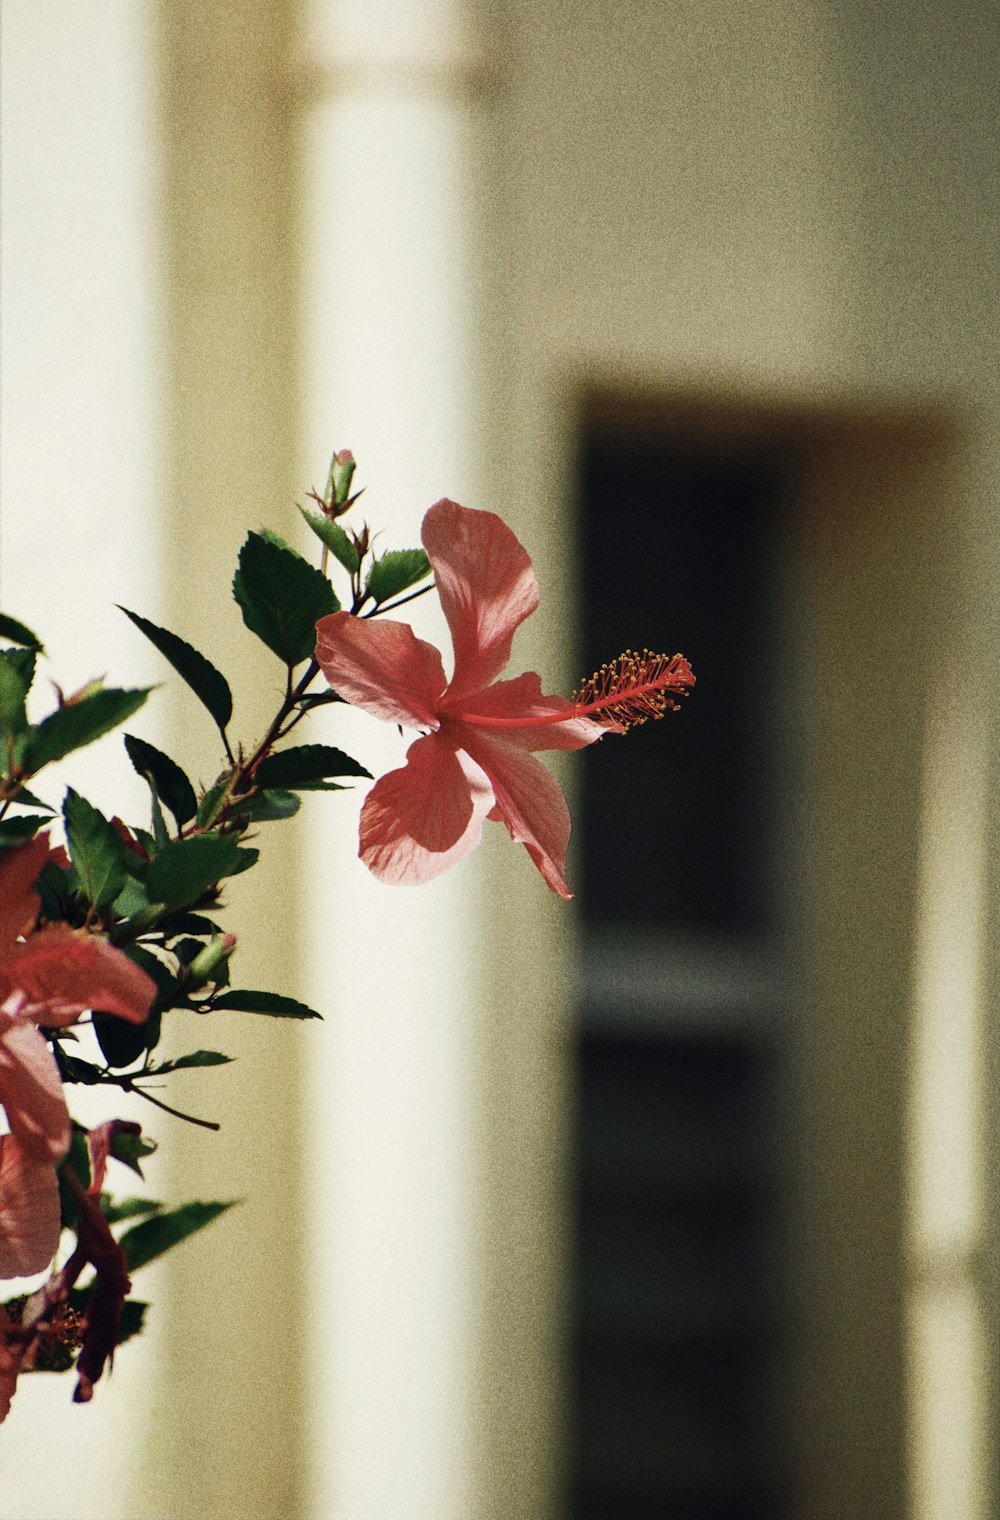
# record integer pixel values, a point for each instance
(47, 977)
(473, 761)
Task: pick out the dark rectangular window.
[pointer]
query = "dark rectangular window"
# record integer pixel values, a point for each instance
(676, 1312)
(677, 552)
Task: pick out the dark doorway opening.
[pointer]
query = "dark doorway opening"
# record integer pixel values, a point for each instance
(677, 1336)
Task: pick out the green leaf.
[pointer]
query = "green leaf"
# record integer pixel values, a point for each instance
(318, 699)
(116, 1210)
(336, 540)
(133, 1319)
(270, 806)
(281, 597)
(148, 843)
(75, 1070)
(397, 571)
(130, 1149)
(185, 868)
(132, 897)
(245, 858)
(21, 828)
(196, 1058)
(211, 803)
(172, 785)
(19, 633)
(25, 798)
(144, 1242)
(154, 968)
(80, 723)
(96, 850)
(242, 1000)
(17, 671)
(208, 684)
(121, 1041)
(158, 823)
(189, 923)
(304, 764)
(77, 1159)
(276, 538)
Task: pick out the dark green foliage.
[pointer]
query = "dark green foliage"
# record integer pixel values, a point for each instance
(395, 572)
(21, 827)
(306, 764)
(195, 1058)
(117, 1210)
(77, 1160)
(122, 1042)
(185, 869)
(19, 633)
(271, 1003)
(77, 724)
(271, 806)
(25, 798)
(336, 540)
(144, 1242)
(208, 684)
(96, 850)
(17, 671)
(212, 803)
(130, 1149)
(281, 597)
(165, 776)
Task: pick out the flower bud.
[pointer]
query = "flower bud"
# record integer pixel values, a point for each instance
(209, 959)
(338, 486)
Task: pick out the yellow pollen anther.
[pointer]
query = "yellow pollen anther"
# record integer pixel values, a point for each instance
(635, 687)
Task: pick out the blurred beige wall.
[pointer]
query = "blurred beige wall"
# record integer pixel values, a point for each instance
(774, 206)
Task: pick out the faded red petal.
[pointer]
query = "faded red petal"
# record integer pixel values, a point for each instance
(62, 974)
(99, 1141)
(381, 667)
(19, 904)
(486, 585)
(104, 1308)
(418, 821)
(529, 802)
(29, 1211)
(522, 698)
(11, 1357)
(31, 1091)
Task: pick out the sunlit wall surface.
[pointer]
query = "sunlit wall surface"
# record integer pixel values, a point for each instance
(237, 237)
(81, 474)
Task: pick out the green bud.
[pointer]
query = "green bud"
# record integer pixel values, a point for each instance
(208, 960)
(338, 487)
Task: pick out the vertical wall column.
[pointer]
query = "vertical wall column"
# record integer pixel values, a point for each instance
(226, 1433)
(392, 134)
(81, 501)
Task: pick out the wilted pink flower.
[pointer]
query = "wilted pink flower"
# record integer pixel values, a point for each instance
(48, 977)
(474, 758)
(45, 1321)
(29, 1210)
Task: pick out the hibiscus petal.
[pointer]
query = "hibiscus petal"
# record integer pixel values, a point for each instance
(31, 1091)
(520, 699)
(61, 974)
(19, 870)
(29, 1210)
(530, 803)
(486, 585)
(418, 821)
(381, 667)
